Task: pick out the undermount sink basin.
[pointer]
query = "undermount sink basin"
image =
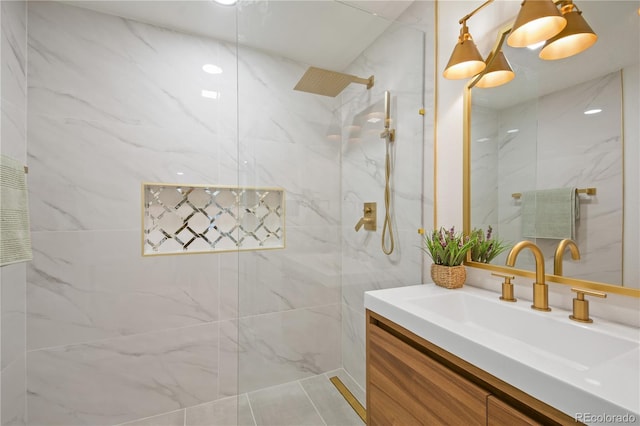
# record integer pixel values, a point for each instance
(568, 342)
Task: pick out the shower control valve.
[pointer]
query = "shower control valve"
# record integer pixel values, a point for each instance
(369, 219)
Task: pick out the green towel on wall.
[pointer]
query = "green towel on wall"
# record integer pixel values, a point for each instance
(550, 213)
(15, 238)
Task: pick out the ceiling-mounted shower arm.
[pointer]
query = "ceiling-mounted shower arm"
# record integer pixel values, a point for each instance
(388, 132)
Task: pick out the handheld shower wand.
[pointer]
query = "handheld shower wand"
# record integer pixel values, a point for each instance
(389, 135)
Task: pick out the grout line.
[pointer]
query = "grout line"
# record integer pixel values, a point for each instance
(312, 403)
(253, 416)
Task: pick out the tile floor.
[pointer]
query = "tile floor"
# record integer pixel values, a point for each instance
(313, 401)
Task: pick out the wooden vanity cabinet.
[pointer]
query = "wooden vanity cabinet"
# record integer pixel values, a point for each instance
(501, 414)
(411, 381)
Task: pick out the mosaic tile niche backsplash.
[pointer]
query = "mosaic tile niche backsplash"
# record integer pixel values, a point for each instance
(201, 218)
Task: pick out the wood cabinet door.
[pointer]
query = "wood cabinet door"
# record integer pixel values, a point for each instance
(501, 414)
(406, 387)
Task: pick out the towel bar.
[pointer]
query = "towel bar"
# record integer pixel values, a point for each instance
(587, 191)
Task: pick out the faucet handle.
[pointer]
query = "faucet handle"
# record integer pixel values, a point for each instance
(507, 287)
(581, 306)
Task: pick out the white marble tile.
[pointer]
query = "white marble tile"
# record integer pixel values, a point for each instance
(84, 286)
(228, 359)
(290, 345)
(353, 344)
(81, 178)
(12, 310)
(125, 72)
(14, 42)
(223, 412)
(13, 131)
(13, 410)
(279, 280)
(330, 403)
(284, 405)
(118, 380)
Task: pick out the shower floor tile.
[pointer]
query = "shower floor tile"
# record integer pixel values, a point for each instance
(313, 401)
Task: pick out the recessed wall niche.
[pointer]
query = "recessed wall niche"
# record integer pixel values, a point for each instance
(181, 219)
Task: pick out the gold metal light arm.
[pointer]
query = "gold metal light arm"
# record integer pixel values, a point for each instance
(466, 17)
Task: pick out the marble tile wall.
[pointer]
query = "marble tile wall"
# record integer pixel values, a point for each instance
(115, 337)
(13, 143)
(364, 265)
(289, 316)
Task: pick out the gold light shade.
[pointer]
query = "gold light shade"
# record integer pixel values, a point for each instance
(538, 20)
(576, 37)
(498, 73)
(465, 59)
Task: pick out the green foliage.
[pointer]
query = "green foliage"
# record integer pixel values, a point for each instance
(446, 247)
(486, 248)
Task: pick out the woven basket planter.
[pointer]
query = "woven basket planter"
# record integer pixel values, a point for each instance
(448, 276)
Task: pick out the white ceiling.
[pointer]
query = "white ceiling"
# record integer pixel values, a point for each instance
(324, 33)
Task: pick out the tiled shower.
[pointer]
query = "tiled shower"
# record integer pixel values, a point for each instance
(94, 333)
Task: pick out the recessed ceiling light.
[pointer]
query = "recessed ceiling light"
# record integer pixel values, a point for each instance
(211, 69)
(226, 2)
(483, 140)
(593, 111)
(212, 94)
(513, 131)
(374, 120)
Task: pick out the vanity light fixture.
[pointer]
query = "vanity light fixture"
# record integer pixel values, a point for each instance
(576, 37)
(465, 60)
(537, 20)
(498, 72)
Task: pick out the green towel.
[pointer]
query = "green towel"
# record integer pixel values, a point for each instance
(550, 213)
(15, 239)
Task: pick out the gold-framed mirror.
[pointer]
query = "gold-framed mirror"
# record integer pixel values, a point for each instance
(493, 176)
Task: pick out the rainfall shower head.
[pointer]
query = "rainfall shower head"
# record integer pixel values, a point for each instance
(328, 83)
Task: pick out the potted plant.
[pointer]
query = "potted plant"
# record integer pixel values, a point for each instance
(448, 249)
(486, 247)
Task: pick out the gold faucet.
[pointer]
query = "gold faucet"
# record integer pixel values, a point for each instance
(581, 305)
(540, 289)
(557, 259)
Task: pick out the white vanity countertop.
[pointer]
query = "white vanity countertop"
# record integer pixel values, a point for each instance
(584, 370)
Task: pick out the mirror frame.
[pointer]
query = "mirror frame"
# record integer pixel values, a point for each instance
(466, 196)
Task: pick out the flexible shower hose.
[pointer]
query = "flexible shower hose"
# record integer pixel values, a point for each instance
(387, 201)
